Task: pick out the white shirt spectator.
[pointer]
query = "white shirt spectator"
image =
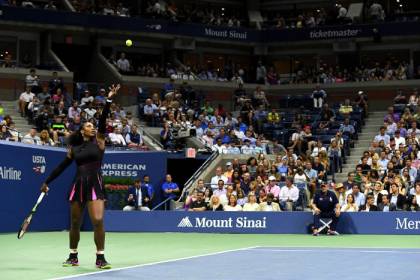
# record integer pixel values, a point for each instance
(289, 194)
(247, 150)
(384, 137)
(31, 80)
(215, 180)
(86, 100)
(26, 97)
(417, 131)
(128, 139)
(123, 64)
(29, 139)
(399, 140)
(117, 139)
(232, 208)
(90, 112)
(221, 149)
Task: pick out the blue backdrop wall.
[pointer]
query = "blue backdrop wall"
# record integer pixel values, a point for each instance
(23, 168)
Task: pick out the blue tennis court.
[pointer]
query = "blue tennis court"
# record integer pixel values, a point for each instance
(278, 263)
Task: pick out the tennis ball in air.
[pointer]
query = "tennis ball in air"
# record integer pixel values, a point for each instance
(128, 43)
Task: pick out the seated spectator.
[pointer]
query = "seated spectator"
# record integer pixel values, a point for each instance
(273, 188)
(199, 204)
(5, 133)
(74, 111)
(44, 139)
(346, 109)
(269, 204)
(31, 137)
(88, 98)
(396, 198)
(369, 206)
(134, 138)
(346, 128)
(24, 100)
(273, 117)
(137, 197)
(252, 204)
(232, 204)
(358, 196)
(340, 193)
(350, 205)
(215, 204)
(218, 176)
(116, 137)
(100, 99)
(325, 205)
(318, 96)
(386, 206)
(289, 195)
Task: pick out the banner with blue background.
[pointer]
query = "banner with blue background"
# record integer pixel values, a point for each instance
(23, 168)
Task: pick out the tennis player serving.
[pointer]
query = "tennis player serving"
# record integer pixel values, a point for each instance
(86, 148)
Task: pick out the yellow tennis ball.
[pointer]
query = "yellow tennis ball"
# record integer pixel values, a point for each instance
(128, 43)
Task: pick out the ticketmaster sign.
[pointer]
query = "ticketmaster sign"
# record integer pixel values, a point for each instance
(258, 222)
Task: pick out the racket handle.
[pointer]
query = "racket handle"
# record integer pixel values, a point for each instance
(41, 196)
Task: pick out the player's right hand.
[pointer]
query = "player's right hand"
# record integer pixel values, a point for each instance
(45, 188)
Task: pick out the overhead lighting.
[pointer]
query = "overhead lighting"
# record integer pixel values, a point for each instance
(401, 5)
(318, 10)
(398, 1)
(223, 9)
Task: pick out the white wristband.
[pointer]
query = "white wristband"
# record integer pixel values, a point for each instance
(108, 100)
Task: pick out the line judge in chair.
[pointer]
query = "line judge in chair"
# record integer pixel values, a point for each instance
(325, 206)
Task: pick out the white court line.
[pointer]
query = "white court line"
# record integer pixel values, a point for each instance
(337, 250)
(154, 263)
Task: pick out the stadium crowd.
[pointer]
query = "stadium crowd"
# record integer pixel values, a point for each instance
(54, 115)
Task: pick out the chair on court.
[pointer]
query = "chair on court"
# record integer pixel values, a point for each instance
(326, 222)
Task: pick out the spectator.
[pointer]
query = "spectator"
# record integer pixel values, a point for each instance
(318, 96)
(31, 137)
(218, 176)
(273, 188)
(32, 81)
(325, 205)
(123, 64)
(350, 205)
(198, 205)
(261, 73)
(382, 136)
(386, 206)
(215, 204)
(116, 138)
(44, 139)
(232, 204)
(252, 204)
(74, 111)
(134, 138)
(369, 206)
(137, 197)
(88, 98)
(24, 100)
(289, 195)
(269, 204)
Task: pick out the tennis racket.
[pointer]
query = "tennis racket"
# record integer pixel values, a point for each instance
(28, 219)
